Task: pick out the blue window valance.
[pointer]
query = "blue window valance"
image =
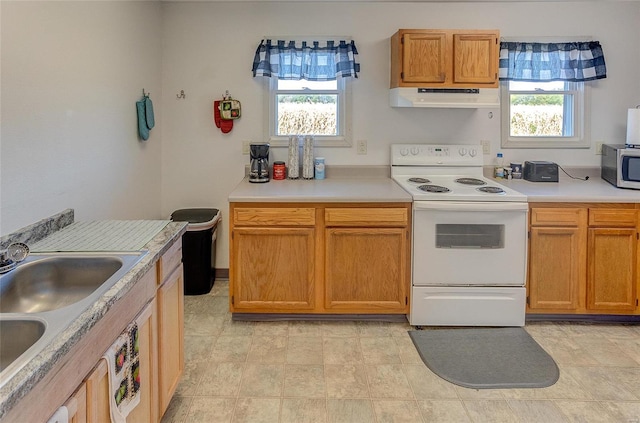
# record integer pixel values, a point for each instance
(575, 61)
(313, 62)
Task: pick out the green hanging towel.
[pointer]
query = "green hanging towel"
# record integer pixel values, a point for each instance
(143, 130)
(148, 112)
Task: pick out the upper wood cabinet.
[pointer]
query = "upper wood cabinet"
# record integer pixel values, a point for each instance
(435, 58)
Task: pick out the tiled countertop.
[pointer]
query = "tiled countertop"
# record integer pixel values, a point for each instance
(19, 385)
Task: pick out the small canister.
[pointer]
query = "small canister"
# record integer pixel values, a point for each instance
(516, 170)
(279, 171)
(318, 165)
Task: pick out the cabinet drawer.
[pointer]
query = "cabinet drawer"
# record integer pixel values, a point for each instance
(274, 216)
(566, 216)
(613, 217)
(169, 261)
(366, 216)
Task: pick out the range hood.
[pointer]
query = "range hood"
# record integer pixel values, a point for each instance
(456, 98)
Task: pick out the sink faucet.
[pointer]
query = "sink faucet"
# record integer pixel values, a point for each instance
(14, 254)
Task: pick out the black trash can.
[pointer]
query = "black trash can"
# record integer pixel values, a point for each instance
(198, 248)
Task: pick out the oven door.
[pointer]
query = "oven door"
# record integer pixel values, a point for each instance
(469, 243)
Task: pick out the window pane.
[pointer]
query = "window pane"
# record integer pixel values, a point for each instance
(541, 115)
(537, 86)
(307, 114)
(303, 83)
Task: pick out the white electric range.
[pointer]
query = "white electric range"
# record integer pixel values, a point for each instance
(469, 244)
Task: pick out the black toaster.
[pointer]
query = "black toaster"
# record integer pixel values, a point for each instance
(537, 171)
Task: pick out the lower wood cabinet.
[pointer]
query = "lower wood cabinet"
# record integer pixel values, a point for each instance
(557, 266)
(583, 259)
(77, 405)
(612, 279)
(320, 258)
(170, 336)
(97, 383)
(365, 269)
(276, 267)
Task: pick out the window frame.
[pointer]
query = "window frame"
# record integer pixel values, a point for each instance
(342, 139)
(581, 124)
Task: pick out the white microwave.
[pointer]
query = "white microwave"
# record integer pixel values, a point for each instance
(620, 165)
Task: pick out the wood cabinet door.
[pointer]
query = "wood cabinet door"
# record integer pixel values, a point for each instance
(97, 383)
(365, 269)
(77, 405)
(475, 59)
(611, 281)
(272, 269)
(147, 409)
(557, 267)
(170, 336)
(425, 57)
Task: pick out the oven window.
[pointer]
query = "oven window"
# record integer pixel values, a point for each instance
(469, 236)
(631, 168)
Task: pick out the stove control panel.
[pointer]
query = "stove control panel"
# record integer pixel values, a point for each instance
(426, 154)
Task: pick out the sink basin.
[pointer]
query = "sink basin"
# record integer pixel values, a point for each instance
(16, 337)
(45, 294)
(54, 282)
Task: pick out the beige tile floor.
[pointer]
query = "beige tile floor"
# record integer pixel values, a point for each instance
(296, 372)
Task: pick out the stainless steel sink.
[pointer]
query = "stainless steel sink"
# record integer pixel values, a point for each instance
(45, 294)
(16, 337)
(54, 282)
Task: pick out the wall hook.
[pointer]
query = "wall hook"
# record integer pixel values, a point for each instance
(181, 95)
(145, 94)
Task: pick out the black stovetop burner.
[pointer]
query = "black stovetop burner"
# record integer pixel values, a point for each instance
(433, 188)
(470, 181)
(419, 180)
(491, 190)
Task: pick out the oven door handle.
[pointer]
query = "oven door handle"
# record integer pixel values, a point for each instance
(457, 206)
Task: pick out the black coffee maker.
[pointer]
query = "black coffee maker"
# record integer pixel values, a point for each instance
(259, 154)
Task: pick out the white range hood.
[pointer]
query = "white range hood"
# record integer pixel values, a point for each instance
(457, 98)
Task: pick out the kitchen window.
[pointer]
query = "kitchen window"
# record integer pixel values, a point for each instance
(302, 107)
(545, 100)
(307, 89)
(548, 114)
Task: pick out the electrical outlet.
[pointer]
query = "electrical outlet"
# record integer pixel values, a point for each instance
(486, 147)
(599, 148)
(245, 147)
(362, 146)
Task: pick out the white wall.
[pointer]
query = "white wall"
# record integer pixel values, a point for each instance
(208, 48)
(71, 74)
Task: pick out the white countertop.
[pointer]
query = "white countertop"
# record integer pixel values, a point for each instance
(593, 190)
(379, 189)
(363, 184)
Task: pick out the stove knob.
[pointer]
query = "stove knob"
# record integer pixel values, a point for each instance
(473, 152)
(415, 150)
(404, 151)
(462, 151)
